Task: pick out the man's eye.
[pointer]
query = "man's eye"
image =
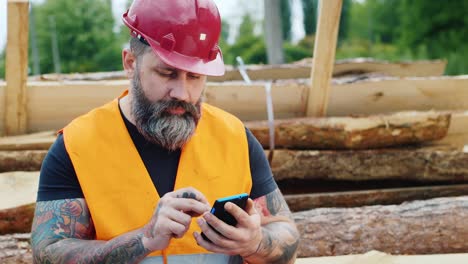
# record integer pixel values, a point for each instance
(192, 76)
(165, 73)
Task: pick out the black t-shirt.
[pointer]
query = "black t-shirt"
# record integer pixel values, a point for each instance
(58, 178)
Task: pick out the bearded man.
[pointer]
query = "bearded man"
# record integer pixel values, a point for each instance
(133, 181)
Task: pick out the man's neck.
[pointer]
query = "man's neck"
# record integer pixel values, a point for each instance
(126, 107)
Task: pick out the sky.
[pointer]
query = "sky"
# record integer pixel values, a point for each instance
(231, 10)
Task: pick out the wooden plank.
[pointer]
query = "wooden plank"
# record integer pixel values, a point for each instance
(52, 105)
(298, 70)
(363, 132)
(248, 102)
(41, 143)
(324, 56)
(308, 201)
(28, 160)
(17, 219)
(393, 95)
(435, 226)
(16, 71)
(375, 257)
(372, 96)
(18, 188)
(419, 164)
(16, 249)
(397, 69)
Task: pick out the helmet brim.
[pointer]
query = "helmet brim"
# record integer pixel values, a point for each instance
(190, 64)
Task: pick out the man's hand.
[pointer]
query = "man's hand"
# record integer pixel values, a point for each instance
(242, 239)
(173, 216)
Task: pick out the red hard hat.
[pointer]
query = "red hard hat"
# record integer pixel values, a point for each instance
(183, 33)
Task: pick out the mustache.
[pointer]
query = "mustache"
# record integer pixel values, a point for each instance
(163, 106)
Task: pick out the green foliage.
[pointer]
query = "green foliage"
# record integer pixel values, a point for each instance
(246, 45)
(2, 64)
(295, 52)
(86, 39)
(364, 48)
(344, 21)
(410, 30)
(310, 9)
(286, 19)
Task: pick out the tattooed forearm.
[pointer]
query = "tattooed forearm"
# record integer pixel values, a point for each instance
(63, 232)
(280, 236)
(123, 249)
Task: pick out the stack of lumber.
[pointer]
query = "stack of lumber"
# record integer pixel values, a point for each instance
(386, 171)
(297, 70)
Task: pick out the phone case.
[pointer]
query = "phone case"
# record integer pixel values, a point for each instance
(218, 209)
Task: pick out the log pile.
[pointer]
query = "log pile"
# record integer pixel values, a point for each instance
(15, 249)
(366, 132)
(300, 69)
(384, 137)
(434, 226)
(421, 227)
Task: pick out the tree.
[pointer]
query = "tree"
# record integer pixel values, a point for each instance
(436, 29)
(85, 37)
(310, 8)
(286, 19)
(2, 64)
(273, 31)
(344, 21)
(247, 45)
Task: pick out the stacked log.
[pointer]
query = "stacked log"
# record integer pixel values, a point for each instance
(434, 226)
(404, 146)
(420, 227)
(366, 132)
(15, 249)
(300, 69)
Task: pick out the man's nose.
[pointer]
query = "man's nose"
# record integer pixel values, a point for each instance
(180, 89)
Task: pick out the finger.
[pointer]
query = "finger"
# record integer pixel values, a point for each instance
(210, 246)
(238, 213)
(189, 193)
(179, 217)
(214, 236)
(227, 231)
(178, 230)
(189, 205)
(250, 207)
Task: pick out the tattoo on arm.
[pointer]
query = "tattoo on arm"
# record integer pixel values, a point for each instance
(280, 236)
(63, 232)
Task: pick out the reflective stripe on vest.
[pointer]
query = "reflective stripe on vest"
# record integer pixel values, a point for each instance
(117, 187)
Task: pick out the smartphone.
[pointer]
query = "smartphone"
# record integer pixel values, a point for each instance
(218, 209)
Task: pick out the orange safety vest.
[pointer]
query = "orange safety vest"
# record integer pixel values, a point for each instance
(117, 187)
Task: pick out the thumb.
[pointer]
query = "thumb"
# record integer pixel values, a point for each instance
(250, 207)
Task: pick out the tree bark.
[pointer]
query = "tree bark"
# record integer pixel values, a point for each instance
(308, 201)
(420, 227)
(17, 220)
(273, 32)
(35, 141)
(434, 226)
(354, 132)
(29, 160)
(15, 249)
(423, 164)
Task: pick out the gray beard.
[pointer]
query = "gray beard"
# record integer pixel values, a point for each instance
(158, 125)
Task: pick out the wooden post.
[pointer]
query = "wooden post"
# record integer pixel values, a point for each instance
(324, 56)
(16, 67)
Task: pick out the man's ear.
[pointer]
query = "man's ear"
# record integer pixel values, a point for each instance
(129, 62)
